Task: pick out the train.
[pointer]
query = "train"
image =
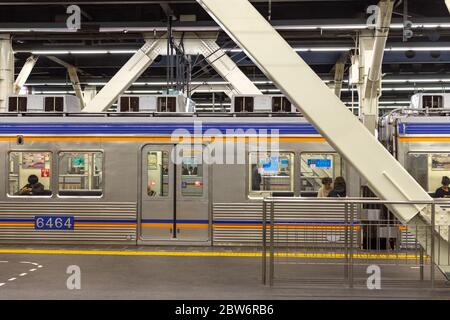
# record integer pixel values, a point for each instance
(167, 175)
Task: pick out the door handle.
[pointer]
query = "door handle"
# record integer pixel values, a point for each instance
(178, 230)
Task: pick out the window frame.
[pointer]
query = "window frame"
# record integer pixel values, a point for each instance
(427, 153)
(52, 169)
(204, 173)
(157, 196)
(301, 177)
(261, 193)
(84, 196)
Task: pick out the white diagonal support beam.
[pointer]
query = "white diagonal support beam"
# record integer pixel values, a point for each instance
(24, 73)
(280, 63)
(226, 67)
(205, 44)
(89, 93)
(130, 71)
(73, 76)
(371, 55)
(338, 77)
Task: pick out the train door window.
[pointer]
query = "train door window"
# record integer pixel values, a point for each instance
(80, 173)
(191, 172)
(428, 168)
(271, 172)
(434, 102)
(54, 104)
(316, 166)
(281, 104)
(29, 173)
(158, 173)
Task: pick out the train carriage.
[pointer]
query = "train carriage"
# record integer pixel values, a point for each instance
(149, 179)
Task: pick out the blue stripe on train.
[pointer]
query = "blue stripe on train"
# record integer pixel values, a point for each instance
(241, 222)
(424, 128)
(147, 128)
(76, 220)
(171, 221)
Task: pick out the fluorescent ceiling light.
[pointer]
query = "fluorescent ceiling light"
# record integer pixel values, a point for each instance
(417, 49)
(122, 51)
(88, 52)
(50, 52)
(238, 50)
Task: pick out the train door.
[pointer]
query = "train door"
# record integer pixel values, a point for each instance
(174, 204)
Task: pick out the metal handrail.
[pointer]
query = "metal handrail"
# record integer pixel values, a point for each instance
(354, 200)
(348, 202)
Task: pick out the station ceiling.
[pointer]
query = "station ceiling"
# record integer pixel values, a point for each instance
(322, 31)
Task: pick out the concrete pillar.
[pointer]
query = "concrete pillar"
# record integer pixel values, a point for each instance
(6, 69)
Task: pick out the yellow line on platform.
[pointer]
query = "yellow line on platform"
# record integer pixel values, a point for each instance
(209, 254)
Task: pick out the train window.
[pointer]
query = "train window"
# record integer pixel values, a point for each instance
(191, 173)
(167, 104)
(128, 104)
(80, 173)
(17, 104)
(316, 166)
(271, 172)
(428, 168)
(243, 104)
(432, 102)
(158, 173)
(281, 104)
(52, 104)
(29, 173)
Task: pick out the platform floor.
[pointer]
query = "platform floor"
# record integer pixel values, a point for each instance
(115, 272)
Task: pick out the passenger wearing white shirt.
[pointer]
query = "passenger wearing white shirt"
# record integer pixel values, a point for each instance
(326, 188)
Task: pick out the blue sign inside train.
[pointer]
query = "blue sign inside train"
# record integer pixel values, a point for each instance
(320, 163)
(270, 165)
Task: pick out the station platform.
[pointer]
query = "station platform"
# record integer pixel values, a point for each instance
(144, 272)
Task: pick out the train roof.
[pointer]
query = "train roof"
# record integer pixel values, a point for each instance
(150, 124)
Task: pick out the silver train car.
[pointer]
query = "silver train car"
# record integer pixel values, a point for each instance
(420, 141)
(155, 178)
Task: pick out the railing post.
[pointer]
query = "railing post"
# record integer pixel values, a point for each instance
(432, 257)
(421, 263)
(346, 240)
(264, 241)
(271, 259)
(351, 247)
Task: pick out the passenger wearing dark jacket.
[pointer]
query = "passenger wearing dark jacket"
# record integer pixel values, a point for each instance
(34, 187)
(444, 191)
(339, 189)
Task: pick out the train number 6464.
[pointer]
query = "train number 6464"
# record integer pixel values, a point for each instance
(53, 223)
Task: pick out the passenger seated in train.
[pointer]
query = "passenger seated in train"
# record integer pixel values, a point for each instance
(339, 189)
(256, 178)
(443, 191)
(34, 187)
(325, 188)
